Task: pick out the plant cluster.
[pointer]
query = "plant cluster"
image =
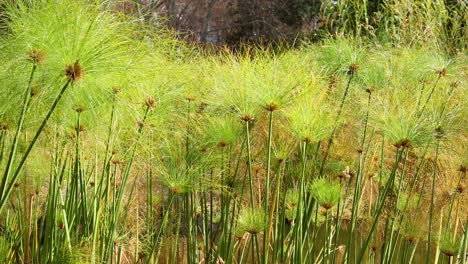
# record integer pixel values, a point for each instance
(120, 145)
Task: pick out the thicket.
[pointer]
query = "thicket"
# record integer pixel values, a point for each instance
(120, 144)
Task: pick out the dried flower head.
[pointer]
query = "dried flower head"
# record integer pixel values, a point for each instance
(271, 107)
(36, 56)
(370, 90)
(81, 128)
(247, 118)
(345, 174)
(353, 68)
(403, 143)
(150, 103)
(79, 109)
(116, 89)
(74, 72)
(140, 123)
(442, 72)
(462, 169)
(439, 132)
(116, 161)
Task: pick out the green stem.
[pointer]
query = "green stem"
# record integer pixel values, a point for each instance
(31, 145)
(11, 158)
(267, 192)
(431, 210)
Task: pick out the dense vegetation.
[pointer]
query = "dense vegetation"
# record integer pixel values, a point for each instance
(120, 144)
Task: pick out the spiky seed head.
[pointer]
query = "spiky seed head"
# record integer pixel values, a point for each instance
(116, 161)
(36, 56)
(439, 132)
(247, 118)
(403, 143)
(332, 82)
(74, 72)
(140, 123)
(462, 168)
(455, 84)
(116, 89)
(353, 69)
(345, 174)
(370, 90)
(150, 103)
(442, 72)
(80, 128)
(222, 144)
(79, 109)
(271, 107)
(202, 107)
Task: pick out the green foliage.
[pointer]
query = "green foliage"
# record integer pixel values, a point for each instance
(153, 143)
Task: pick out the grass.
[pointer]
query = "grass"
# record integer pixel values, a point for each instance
(119, 144)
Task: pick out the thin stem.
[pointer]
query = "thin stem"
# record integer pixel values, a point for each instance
(431, 210)
(31, 145)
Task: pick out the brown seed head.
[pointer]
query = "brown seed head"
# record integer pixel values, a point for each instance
(353, 68)
(439, 132)
(460, 188)
(327, 206)
(74, 72)
(370, 90)
(360, 150)
(116, 89)
(16, 185)
(222, 144)
(79, 109)
(36, 56)
(81, 128)
(442, 72)
(332, 82)
(247, 118)
(150, 103)
(117, 161)
(271, 107)
(462, 169)
(455, 84)
(403, 143)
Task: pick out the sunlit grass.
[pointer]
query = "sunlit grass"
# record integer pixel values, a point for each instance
(121, 145)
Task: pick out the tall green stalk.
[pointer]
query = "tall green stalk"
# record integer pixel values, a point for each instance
(6, 192)
(266, 239)
(19, 127)
(431, 210)
(380, 204)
